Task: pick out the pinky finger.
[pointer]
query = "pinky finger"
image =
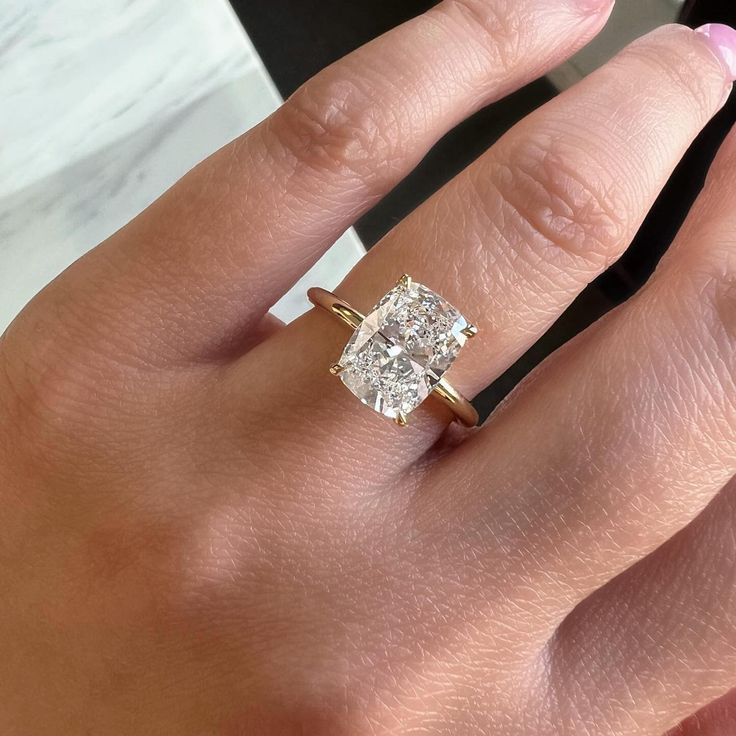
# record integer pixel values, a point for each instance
(658, 642)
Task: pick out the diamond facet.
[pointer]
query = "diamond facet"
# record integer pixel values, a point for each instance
(401, 350)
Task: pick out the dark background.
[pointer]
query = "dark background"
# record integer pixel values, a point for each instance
(317, 32)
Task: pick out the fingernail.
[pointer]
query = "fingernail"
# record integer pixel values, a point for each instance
(722, 41)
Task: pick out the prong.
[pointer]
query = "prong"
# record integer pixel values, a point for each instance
(336, 369)
(402, 420)
(405, 281)
(470, 331)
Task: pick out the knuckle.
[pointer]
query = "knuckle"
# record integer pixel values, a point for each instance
(33, 368)
(338, 127)
(677, 56)
(55, 378)
(139, 550)
(563, 203)
(46, 399)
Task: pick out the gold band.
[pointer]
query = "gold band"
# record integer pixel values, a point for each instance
(463, 410)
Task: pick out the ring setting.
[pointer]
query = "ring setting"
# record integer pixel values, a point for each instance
(399, 352)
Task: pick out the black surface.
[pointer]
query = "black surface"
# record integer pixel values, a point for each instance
(668, 214)
(317, 32)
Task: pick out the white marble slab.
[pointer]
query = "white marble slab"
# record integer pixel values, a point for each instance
(104, 106)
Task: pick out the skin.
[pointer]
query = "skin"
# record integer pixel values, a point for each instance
(205, 533)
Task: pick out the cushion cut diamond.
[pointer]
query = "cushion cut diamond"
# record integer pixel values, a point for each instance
(403, 346)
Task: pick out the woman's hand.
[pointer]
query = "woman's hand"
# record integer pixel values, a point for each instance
(205, 533)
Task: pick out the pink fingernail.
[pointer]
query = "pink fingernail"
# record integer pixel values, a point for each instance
(722, 41)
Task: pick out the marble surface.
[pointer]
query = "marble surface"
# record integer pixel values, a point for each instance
(104, 106)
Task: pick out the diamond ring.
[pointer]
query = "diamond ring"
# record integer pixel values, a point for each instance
(401, 349)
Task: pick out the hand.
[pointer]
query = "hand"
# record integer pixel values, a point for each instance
(205, 533)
